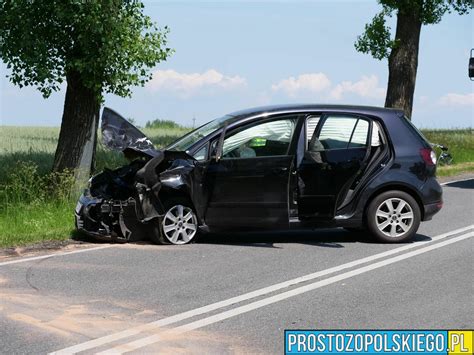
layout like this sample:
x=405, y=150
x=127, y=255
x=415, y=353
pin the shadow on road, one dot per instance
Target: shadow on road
x=327, y=238
x=466, y=184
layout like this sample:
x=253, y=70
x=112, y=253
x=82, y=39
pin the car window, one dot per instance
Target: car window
x=376, y=139
x=264, y=139
x=201, y=154
x=311, y=124
x=340, y=132
x=359, y=136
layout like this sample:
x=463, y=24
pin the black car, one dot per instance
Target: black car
x=275, y=167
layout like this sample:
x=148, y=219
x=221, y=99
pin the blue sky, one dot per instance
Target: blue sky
x=237, y=54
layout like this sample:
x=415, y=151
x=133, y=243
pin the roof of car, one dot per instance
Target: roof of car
x=371, y=110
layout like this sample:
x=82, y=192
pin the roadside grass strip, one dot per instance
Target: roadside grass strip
x=422, y=247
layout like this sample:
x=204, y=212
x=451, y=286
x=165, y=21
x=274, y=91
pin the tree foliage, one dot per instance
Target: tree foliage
x=163, y=124
x=377, y=38
x=111, y=44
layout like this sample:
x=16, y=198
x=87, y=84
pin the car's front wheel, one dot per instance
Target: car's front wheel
x=179, y=224
x=393, y=217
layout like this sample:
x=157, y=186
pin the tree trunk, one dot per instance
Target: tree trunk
x=403, y=61
x=76, y=145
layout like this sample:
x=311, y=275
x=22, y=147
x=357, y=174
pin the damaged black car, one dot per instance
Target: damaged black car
x=276, y=167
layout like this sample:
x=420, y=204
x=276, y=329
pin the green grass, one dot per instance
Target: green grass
x=34, y=204
x=38, y=144
x=30, y=223
x=461, y=146
x=38, y=206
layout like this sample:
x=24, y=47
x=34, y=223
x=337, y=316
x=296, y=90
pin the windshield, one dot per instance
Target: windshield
x=186, y=142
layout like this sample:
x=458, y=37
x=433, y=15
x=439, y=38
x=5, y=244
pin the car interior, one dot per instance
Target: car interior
x=261, y=140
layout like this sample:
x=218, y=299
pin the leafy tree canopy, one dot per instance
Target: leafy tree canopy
x=111, y=44
x=377, y=39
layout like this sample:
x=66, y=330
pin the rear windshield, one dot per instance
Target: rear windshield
x=416, y=131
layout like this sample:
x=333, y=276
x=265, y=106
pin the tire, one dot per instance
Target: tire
x=179, y=224
x=393, y=217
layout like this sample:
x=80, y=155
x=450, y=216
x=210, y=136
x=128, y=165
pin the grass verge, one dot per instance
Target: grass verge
x=455, y=169
x=30, y=223
x=35, y=207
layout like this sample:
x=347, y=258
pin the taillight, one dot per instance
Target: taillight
x=429, y=156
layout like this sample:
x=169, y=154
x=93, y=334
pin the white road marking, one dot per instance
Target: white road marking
x=140, y=343
x=244, y=297
x=460, y=180
x=23, y=260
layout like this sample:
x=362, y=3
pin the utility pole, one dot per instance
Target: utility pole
x=194, y=121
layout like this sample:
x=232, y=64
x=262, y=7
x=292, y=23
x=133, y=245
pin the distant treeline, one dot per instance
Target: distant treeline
x=163, y=124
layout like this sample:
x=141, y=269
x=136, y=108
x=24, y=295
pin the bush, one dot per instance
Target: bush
x=25, y=185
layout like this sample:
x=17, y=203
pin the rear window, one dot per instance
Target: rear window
x=416, y=131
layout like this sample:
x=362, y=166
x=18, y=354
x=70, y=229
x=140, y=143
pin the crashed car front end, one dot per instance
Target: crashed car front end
x=107, y=209
x=124, y=205
x=110, y=219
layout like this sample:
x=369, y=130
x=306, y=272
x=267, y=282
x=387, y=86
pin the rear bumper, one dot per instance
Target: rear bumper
x=431, y=209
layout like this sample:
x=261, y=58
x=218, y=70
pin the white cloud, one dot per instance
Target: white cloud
x=313, y=83
x=365, y=87
x=452, y=99
x=186, y=84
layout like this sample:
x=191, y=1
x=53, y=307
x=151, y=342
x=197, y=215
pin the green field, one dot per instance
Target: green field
x=461, y=147
x=36, y=205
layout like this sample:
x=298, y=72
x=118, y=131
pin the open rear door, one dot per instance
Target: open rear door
x=335, y=154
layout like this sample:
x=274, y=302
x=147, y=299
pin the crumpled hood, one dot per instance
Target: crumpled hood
x=119, y=134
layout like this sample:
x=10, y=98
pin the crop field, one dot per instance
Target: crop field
x=38, y=144
x=36, y=205
x=461, y=147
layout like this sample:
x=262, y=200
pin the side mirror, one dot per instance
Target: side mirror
x=471, y=65
x=217, y=154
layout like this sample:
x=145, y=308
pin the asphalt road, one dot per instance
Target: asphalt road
x=237, y=293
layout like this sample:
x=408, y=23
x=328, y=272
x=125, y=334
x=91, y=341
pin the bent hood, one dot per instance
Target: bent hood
x=119, y=134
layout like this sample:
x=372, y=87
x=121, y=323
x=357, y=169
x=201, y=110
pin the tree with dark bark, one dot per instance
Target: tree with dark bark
x=402, y=50
x=95, y=46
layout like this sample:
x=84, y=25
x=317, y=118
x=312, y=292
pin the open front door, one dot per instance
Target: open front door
x=249, y=185
x=336, y=150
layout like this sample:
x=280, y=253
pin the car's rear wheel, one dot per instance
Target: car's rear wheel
x=179, y=224
x=393, y=217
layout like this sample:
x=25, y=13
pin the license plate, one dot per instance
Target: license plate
x=78, y=207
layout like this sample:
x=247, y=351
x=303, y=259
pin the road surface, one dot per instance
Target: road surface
x=238, y=293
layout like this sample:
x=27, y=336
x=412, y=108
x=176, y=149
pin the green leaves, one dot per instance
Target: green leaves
x=112, y=44
x=377, y=39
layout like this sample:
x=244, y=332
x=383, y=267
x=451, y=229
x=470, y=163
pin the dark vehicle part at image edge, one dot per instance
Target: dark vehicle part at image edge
x=275, y=167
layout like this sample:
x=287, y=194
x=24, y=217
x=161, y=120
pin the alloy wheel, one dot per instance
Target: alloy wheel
x=394, y=217
x=179, y=224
